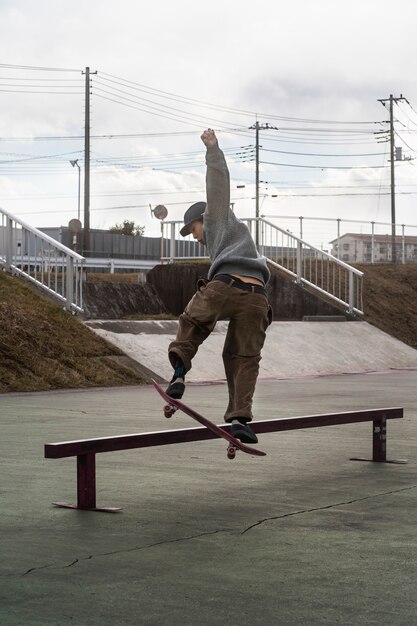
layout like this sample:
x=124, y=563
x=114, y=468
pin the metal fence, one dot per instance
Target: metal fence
x=28, y=252
x=306, y=265
x=330, y=233
x=107, y=245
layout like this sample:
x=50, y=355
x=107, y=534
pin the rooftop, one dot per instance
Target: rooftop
x=377, y=238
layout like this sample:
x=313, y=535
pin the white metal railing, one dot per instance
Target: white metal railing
x=370, y=241
x=177, y=248
x=304, y=264
x=27, y=252
x=311, y=267
x=114, y=264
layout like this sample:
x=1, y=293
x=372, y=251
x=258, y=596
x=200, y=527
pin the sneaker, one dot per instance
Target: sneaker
x=176, y=388
x=242, y=431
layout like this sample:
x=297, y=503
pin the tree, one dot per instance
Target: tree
x=127, y=228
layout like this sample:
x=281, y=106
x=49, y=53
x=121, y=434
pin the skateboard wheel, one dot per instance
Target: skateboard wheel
x=231, y=452
x=169, y=410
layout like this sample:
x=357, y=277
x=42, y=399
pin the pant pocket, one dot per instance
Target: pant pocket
x=201, y=282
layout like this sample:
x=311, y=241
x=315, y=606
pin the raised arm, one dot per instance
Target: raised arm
x=217, y=177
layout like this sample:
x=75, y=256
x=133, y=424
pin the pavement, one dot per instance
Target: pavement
x=303, y=536
x=291, y=348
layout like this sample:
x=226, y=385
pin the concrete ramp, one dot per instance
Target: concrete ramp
x=291, y=348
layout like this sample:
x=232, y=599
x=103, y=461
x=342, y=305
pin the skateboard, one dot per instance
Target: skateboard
x=234, y=444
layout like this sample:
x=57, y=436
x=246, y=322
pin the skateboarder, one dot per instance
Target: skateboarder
x=235, y=290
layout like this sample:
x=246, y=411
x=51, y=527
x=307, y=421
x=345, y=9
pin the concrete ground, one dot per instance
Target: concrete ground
x=303, y=536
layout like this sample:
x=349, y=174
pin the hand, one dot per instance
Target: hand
x=209, y=138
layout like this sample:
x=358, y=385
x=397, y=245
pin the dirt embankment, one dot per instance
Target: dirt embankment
x=43, y=347
x=390, y=300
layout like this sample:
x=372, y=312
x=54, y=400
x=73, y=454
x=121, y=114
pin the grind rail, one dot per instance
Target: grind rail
x=86, y=449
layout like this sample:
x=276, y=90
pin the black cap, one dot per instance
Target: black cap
x=195, y=212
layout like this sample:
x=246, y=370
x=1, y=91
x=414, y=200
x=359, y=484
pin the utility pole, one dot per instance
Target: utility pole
x=257, y=127
x=391, y=101
x=86, y=231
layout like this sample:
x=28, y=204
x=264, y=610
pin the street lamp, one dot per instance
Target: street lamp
x=75, y=163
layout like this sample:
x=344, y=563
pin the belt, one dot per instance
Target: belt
x=235, y=282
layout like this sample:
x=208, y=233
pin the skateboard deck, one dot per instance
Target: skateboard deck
x=234, y=444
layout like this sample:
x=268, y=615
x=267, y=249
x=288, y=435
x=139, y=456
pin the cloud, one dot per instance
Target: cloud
x=321, y=60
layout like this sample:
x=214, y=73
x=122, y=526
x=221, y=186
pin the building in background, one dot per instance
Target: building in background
x=359, y=248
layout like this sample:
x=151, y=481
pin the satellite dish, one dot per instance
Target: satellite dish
x=160, y=212
x=74, y=226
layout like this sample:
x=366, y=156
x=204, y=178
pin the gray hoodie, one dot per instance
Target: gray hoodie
x=228, y=240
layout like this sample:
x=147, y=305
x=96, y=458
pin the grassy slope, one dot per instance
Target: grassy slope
x=390, y=300
x=43, y=347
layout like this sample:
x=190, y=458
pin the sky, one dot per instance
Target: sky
x=162, y=71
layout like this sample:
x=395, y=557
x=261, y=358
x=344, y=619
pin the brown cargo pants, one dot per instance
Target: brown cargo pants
x=249, y=314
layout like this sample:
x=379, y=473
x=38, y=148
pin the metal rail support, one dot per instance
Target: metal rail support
x=379, y=444
x=86, y=481
x=86, y=486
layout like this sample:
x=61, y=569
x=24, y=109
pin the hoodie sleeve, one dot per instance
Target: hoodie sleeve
x=217, y=185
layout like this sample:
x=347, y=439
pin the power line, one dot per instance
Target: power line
x=106, y=136
x=407, y=116
x=330, y=167
x=171, y=96
x=193, y=101
x=59, y=93
x=321, y=154
x=37, y=68
x=151, y=105
x=104, y=194
x=27, y=158
x=334, y=195
x=40, y=85
x=283, y=185
x=403, y=140
x=34, y=163
x=43, y=80
x=334, y=131
x=146, y=100
x=283, y=138
x=175, y=119
x=287, y=137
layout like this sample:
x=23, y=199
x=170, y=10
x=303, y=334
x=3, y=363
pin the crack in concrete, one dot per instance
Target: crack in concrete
x=323, y=508
x=134, y=549
x=32, y=569
x=215, y=532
